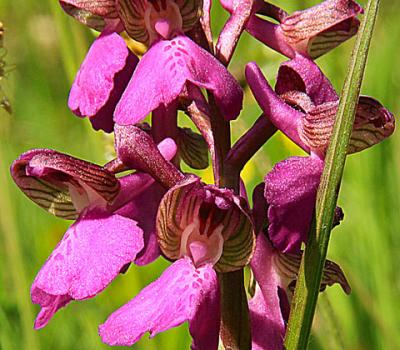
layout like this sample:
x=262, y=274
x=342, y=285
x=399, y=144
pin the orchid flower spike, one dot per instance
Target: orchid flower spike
x=110, y=230
x=200, y=228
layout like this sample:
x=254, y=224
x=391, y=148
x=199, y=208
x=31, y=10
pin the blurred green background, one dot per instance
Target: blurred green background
x=47, y=47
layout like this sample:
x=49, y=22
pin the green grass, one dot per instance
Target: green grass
x=47, y=47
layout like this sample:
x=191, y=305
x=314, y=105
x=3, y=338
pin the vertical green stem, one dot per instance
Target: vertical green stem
x=310, y=273
x=235, y=324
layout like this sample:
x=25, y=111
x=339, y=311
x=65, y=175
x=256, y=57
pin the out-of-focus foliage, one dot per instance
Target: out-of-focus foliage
x=47, y=47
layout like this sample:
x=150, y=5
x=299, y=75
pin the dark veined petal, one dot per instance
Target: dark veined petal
x=91, y=12
x=91, y=254
x=215, y=213
x=132, y=14
x=373, y=123
x=287, y=267
x=317, y=126
x=182, y=293
x=101, y=80
x=332, y=37
x=191, y=11
x=136, y=16
x=162, y=74
x=193, y=149
x=298, y=100
x=303, y=75
x=321, y=28
x=61, y=184
x=290, y=190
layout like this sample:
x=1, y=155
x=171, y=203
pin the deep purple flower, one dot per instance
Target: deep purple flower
x=110, y=230
x=311, y=32
x=305, y=111
x=200, y=228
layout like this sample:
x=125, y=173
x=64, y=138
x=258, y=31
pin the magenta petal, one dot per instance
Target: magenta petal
x=302, y=74
x=290, y=190
x=49, y=304
x=101, y=80
x=270, y=34
x=90, y=255
x=267, y=323
x=284, y=117
x=162, y=74
x=182, y=293
x=143, y=209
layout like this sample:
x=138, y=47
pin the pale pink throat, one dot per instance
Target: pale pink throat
x=163, y=19
x=202, y=239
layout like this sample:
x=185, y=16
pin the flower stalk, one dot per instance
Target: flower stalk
x=235, y=322
x=310, y=273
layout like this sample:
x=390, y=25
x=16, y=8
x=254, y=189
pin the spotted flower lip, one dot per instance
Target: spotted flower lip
x=200, y=228
x=164, y=71
x=182, y=293
x=161, y=24
x=90, y=255
x=311, y=32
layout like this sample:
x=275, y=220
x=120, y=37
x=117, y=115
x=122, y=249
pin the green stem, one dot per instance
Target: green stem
x=235, y=322
x=310, y=273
